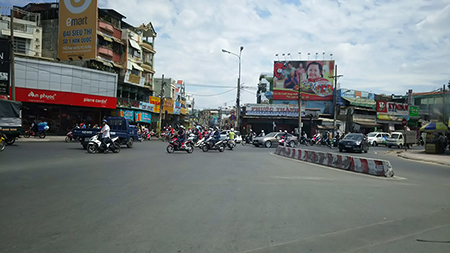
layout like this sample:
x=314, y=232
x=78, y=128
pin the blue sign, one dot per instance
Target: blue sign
x=145, y=117
x=232, y=117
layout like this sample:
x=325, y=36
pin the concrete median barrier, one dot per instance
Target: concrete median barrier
x=369, y=166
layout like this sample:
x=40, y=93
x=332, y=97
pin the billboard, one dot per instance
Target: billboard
x=183, y=108
x=4, y=66
x=77, y=29
x=156, y=101
x=391, y=108
x=128, y=114
x=313, y=77
x=177, y=108
x=146, y=106
x=168, y=106
x=144, y=117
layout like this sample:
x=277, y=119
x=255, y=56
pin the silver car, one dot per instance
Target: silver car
x=273, y=138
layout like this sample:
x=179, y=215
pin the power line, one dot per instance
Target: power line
x=209, y=95
x=209, y=86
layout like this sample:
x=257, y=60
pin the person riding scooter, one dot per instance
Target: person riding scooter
x=216, y=136
x=181, y=135
x=105, y=135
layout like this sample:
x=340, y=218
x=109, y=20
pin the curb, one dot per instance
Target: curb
x=46, y=139
x=422, y=160
x=369, y=166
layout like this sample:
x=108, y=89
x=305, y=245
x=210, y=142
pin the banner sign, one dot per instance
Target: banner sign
x=128, y=114
x=64, y=98
x=168, y=106
x=392, y=108
x=314, y=78
x=146, y=106
x=177, y=108
x=414, y=111
x=273, y=110
x=77, y=29
x=183, y=108
x=156, y=101
x=179, y=90
x=4, y=66
x=143, y=117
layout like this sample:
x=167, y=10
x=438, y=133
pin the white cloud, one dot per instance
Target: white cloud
x=380, y=46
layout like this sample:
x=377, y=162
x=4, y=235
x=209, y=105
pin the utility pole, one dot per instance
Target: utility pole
x=11, y=60
x=161, y=104
x=299, y=110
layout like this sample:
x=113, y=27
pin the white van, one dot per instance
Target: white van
x=376, y=138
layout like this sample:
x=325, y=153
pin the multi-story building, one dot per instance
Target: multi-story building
x=433, y=105
x=27, y=31
x=121, y=49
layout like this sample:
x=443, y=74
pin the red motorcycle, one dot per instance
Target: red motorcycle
x=30, y=132
x=173, y=146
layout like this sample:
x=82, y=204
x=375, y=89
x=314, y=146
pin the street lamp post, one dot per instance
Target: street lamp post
x=336, y=76
x=238, y=95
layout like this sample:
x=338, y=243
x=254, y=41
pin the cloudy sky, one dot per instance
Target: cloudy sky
x=380, y=46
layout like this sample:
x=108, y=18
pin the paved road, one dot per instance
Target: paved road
x=57, y=198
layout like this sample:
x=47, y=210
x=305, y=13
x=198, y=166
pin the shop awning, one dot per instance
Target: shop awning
x=117, y=65
x=369, y=103
x=131, y=65
x=134, y=44
x=366, y=123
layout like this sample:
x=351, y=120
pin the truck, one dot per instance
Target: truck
x=10, y=120
x=398, y=139
x=119, y=126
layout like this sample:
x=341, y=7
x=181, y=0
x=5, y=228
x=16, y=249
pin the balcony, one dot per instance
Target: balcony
x=147, y=46
x=134, y=79
x=105, y=51
x=109, y=29
x=126, y=102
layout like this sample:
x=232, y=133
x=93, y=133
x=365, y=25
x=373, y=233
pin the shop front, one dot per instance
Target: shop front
x=62, y=110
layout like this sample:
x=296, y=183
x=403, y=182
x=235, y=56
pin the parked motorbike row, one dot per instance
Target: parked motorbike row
x=205, y=144
x=315, y=140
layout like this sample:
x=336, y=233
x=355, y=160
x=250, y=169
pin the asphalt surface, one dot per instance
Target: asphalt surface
x=55, y=197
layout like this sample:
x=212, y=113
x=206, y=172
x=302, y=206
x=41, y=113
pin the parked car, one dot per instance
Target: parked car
x=272, y=138
x=376, y=138
x=237, y=138
x=354, y=142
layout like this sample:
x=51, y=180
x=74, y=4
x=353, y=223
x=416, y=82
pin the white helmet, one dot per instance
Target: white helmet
x=182, y=126
x=232, y=129
x=262, y=131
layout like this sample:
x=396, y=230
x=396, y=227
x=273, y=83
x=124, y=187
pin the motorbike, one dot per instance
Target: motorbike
x=229, y=143
x=208, y=145
x=2, y=142
x=315, y=140
x=304, y=141
x=173, y=146
x=420, y=141
x=246, y=140
x=335, y=142
x=69, y=137
x=95, y=145
x=200, y=142
x=326, y=142
x=30, y=132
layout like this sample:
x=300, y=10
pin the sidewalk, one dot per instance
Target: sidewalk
x=37, y=139
x=420, y=155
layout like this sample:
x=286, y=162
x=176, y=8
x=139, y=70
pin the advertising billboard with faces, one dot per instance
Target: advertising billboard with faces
x=314, y=78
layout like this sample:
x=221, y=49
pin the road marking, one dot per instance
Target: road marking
x=341, y=170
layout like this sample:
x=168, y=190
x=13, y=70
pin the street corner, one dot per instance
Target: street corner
x=442, y=159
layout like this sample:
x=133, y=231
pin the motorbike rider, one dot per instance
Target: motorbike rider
x=105, y=135
x=181, y=135
x=216, y=135
x=231, y=134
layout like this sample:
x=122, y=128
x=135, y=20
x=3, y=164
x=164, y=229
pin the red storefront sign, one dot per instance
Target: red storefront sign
x=64, y=98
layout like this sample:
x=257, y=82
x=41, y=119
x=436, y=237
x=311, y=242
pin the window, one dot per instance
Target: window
x=20, y=45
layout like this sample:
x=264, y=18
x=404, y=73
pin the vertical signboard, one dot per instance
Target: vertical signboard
x=4, y=66
x=179, y=90
x=156, y=101
x=77, y=29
